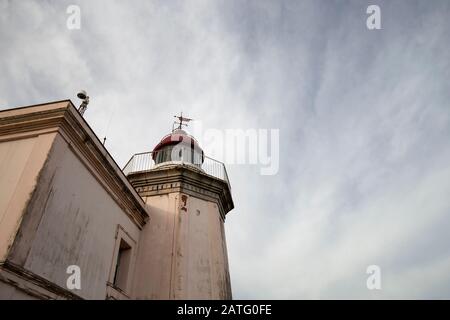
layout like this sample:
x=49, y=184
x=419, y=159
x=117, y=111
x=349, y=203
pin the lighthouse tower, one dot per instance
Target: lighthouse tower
x=182, y=251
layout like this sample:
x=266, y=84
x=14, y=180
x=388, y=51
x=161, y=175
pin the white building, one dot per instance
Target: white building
x=152, y=231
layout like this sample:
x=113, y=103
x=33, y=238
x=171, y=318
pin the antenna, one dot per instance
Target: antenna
x=83, y=96
x=180, y=121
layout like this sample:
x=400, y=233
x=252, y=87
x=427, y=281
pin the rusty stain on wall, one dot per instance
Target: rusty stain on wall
x=184, y=200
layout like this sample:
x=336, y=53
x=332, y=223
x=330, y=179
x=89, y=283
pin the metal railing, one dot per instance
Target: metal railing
x=144, y=161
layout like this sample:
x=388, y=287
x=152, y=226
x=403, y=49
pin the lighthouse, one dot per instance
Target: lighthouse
x=182, y=251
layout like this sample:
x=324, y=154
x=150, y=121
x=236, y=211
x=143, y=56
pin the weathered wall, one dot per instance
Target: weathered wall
x=153, y=267
x=21, y=159
x=182, y=253
x=71, y=220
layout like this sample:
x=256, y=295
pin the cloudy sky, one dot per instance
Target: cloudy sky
x=363, y=118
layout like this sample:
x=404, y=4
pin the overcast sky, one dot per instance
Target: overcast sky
x=363, y=117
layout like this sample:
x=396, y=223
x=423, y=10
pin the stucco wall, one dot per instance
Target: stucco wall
x=182, y=253
x=71, y=220
x=153, y=268
x=21, y=159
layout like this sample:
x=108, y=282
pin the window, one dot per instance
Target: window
x=122, y=265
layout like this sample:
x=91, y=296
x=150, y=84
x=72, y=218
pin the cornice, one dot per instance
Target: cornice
x=183, y=178
x=34, y=285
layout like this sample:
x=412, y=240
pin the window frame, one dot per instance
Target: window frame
x=123, y=236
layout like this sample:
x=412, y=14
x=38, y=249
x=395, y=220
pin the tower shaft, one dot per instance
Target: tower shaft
x=182, y=252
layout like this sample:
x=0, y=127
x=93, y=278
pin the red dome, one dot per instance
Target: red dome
x=176, y=137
